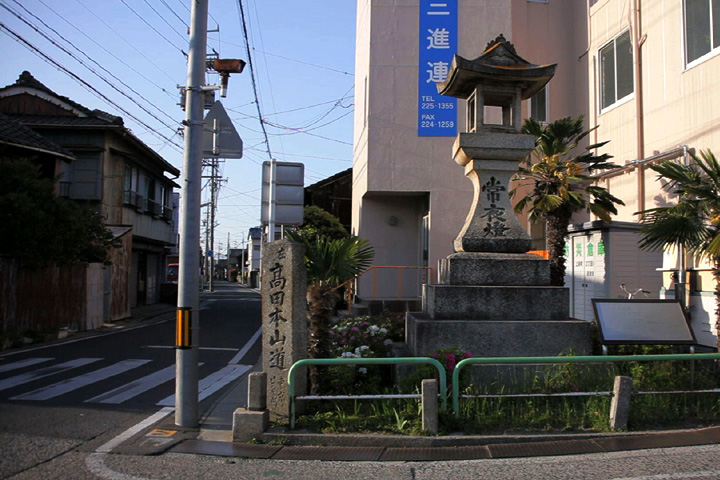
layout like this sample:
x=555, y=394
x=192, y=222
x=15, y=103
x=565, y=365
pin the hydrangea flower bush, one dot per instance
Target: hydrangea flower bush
x=363, y=337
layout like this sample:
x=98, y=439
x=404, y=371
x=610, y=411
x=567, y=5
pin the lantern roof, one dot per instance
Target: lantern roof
x=500, y=65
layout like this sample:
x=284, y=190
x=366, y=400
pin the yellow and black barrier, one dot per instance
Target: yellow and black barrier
x=182, y=332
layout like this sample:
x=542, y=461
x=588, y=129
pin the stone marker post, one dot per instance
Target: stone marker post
x=284, y=321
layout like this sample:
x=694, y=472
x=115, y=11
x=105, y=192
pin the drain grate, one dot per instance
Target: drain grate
x=435, y=454
x=342, y=454
x=537, y=449
x=226, y=449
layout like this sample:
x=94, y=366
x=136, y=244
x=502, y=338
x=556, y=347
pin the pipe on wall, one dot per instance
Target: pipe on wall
x=638, y=41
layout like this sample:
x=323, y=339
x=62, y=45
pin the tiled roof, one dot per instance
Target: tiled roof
x=56, y=120
x=27, y=80
x=93, y=118
x=14, y=133
x=326, y=181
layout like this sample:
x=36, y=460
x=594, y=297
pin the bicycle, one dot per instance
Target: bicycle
x=632, y=294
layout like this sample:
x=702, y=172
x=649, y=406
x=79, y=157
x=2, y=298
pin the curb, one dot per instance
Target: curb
x=496, y=447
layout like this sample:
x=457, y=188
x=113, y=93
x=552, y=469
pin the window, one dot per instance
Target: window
x=538, y=105
x=616, y=70
x=471, y=107
x=702, y=28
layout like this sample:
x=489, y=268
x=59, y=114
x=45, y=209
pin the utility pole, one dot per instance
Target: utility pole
x=186, y=355
x=227, y=259
x=213, y=189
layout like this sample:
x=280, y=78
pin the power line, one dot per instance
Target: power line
x=18, y=38
x=293, y=59
x=122, y=37
x=151, y=27
x=174, y=13
x=105, y=49
x=252, y=76
x=166, y=22
x=34, y=27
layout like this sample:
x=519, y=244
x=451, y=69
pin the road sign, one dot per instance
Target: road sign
x=289, y=193
x=220, y=139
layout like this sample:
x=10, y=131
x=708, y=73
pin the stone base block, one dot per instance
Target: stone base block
x=523, y=338
x=248, y=424
x=442, y=302
x=513, y=269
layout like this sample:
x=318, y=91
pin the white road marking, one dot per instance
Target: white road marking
x=236, y=359
x=136, y=387
x=44, y=372
x=96, y=461
x=74, y=383
x=213, y=382
x=23, y=363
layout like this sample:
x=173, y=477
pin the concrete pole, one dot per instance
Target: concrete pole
x=186, y=359
x=213, y=169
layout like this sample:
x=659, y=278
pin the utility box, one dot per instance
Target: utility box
x=600, y=257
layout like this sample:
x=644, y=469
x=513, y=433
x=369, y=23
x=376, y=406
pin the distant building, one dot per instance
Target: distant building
x=254, y=251
x=115, y=173
x=334, y=195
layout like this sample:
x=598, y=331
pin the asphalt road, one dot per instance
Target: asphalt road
x=73, y=395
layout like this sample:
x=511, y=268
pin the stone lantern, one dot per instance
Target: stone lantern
x=494, y=85
x=493, y=298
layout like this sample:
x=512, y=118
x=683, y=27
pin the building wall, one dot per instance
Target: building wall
x=679, y=103
x=389, y=157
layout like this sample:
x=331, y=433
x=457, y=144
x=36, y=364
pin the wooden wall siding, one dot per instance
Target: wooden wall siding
x=31, y=105
x=120, y=259
x=52, y=297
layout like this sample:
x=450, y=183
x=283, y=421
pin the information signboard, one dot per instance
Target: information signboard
x=646, y=321
x=437, y=40
x=289, y=193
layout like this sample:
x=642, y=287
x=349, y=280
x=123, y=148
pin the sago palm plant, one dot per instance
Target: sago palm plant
x=694, y=221
x=330, y=263
x=559, y=183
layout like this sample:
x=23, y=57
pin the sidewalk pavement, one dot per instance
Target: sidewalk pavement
x=214, y=435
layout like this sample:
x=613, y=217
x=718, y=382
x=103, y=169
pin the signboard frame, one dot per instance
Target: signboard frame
x=630, y=331
x=437, y=44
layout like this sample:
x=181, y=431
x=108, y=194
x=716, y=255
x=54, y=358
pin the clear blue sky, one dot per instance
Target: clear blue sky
x=303, y=56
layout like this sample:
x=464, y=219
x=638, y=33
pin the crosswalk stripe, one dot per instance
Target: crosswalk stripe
x=136, y=387
x=212, y=383
x=74, y=383
x=23, y=363
x=44, y=372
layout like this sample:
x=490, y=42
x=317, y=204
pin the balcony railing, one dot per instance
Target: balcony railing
x=167, y=214
x=154, y=208
x=133, y=199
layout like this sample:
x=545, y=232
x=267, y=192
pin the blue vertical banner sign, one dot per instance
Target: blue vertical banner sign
x=437, y=40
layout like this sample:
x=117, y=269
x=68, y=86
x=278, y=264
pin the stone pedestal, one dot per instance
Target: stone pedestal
x=496, y=305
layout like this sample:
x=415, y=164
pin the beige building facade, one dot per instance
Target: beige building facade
x=646, y=73
x=410, y=198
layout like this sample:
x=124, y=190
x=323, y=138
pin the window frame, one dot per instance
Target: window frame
x=618, y=101
x=713, y=52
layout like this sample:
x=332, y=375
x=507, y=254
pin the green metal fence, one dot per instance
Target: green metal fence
x=364, y=361
x=559, y=360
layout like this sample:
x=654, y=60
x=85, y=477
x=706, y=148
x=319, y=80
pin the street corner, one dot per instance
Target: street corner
x=155, y=439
